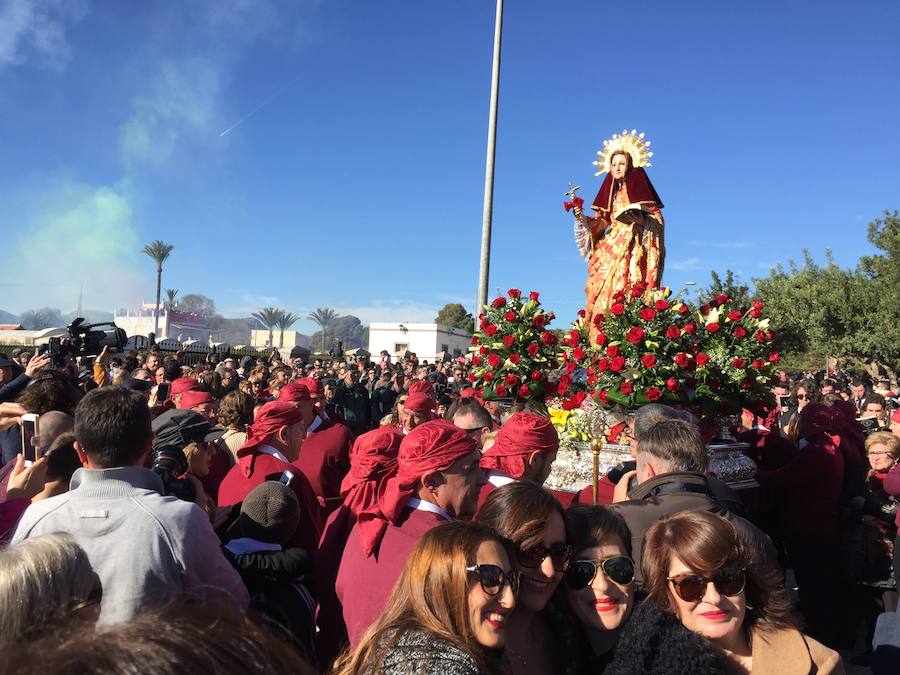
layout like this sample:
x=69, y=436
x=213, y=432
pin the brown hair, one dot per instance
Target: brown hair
x=520, y=512
x=431, y=595
x=51, y=390
x=890, y=441
x=592, y=525
x=629, y=162
x=706, y=542
x=236, y=410
x=677, y=442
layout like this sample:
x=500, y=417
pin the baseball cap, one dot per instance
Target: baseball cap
x=182, y=427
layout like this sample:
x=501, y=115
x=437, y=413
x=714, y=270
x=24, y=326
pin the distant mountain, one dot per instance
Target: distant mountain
x=6, y=317
x=90, y=316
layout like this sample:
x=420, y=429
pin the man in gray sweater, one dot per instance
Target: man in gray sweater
x=146, y=548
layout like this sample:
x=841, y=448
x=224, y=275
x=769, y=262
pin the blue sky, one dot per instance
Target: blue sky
x=358, y=182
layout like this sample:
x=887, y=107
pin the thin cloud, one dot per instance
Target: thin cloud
x=36, y=30
x=727, y=245
x=684, y=264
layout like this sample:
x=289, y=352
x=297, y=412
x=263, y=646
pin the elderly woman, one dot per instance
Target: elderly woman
x=710, y=610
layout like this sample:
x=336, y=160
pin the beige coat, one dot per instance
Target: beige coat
x=789, y=652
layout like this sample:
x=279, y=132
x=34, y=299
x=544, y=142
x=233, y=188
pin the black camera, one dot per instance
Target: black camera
x=90, y=339
x=169, y=463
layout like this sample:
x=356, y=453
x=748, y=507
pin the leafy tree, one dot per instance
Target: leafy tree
x=348, y=329
x=193, y=303
x=730, y=286
x=171, y=293
x=159, y=251
x=455, y=315
x=285, y=321
x=268, y=317
x=325, y=318
x=38, y=319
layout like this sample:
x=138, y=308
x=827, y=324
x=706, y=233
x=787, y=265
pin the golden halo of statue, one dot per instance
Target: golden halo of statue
x=633, y=143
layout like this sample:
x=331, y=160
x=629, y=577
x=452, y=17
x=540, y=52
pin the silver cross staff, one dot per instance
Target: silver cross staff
x=573, y=189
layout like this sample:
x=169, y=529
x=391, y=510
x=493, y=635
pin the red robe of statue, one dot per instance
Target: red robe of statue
x=325, y=460
x=265, y=467
x=364, y=584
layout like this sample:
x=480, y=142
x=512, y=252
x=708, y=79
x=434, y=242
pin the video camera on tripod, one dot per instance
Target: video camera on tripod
x=87, y=339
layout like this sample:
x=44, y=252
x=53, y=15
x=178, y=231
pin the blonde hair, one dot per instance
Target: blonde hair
x=890, y=442
x=431, y=596
x=41, y=581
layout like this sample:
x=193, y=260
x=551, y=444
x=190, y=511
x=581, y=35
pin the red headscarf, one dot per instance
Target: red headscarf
x=194, y=397
x=521, y=435
x=372, y=458
x=294, y=391
x=270, y=418
x=420, y=387
x=181, y=385
x=851, y=433
x=419, y=402
x=432, y=446
x=314, y=385
x=819, y=425
x=640, y=191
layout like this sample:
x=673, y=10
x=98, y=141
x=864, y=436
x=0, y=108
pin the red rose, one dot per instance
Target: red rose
x=474, y=339
x=634, y=334
x=774, y=357
x=757, y=304
x=561, y=388
x=602, y=396
x=612, y=350
x=704, y=309
x=574, y=338
x=682, y=360
x=673, y=332
x=476, y=360
x=539, y=321
x=514, y=293
x=653, y=394
x=472, y=377
x=501, y=391
x=617, y=364
x=690, y=328
x=759, y=336
x=483, y=350
x=757, y=363
x=747, y=383
x=581, y=313
x=735, y=315
x=570, y=367
x=490, y=329
x=534, y=295
x=648, y=360
x=684, y=309
x=489, y=375
x=702, y=359
x=533, y=349
x=770, y=335
x=661, y=305
x=617, y=309
x=482, y=321
x=545, y=337
x=511, y=380
x=578, y=353
x=739, y=363
x=537, y=375
x=515, y=358
x=551, y=316
x=755, y=313
x=713, y=383
x=498, y=302
x=601, y=339
x=739, y=332
x=603, y=365
x=672, y=384
x=508, y=340
x=565, y=380
x=524, y=391
x=510, y=316
x=598, y=320
x=712, y=328
x=592, y=380
x=721, y=298
x=626, y=387
x=647, y=314
x=553, y=339
x=493, y=360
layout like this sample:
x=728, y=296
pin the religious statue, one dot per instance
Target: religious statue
x=623, y=243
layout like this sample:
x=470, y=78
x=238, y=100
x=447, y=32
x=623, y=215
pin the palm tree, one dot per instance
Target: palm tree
x=159, y=251
x=325, y=317
x=285, y=321
x=268, y=317
x=170, y=298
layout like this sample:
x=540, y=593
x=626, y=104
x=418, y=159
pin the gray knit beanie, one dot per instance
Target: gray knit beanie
x=270, y=513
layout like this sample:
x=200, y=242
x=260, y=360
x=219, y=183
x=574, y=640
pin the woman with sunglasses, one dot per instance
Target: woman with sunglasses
x=599, y=584
x=529, y=517
x=448, y=612
x=709, y=610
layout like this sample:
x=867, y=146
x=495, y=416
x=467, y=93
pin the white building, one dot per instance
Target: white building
x=425, y=340
x=285, y=339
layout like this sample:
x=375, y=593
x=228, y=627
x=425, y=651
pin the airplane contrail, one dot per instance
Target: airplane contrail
x=255, y=110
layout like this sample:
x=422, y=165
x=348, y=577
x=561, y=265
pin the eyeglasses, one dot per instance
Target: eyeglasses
x=878, y=453
x=692, y=587
x=473, y=431
x=801, y=397
x=560, y=554
x=492, y=578
x=581, y=573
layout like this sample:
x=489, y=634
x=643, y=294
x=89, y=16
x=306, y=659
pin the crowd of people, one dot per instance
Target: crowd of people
x=366, y=516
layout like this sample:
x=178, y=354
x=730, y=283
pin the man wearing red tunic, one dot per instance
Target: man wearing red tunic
x=204, y=404
x=273, y=442
x=325, y=459
x=437, y=478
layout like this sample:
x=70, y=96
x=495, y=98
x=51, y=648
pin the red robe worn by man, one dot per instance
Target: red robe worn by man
x=202, y=402
x=325, y=459
x=436, y=479
x=273, y=441
x=525, y=449
x=372, y=459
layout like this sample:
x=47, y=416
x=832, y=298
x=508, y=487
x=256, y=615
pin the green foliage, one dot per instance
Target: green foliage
x=455, y=315
x=171, y=294
x=38, y=319
x=193, y=303
x=348, y=329
x=269, y=318
x=159, y=251
x=325, y=317
x=731, y=286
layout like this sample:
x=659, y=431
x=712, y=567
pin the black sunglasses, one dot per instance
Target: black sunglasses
x=492, y=578
x=581, y=573
x=560, y=554
x=692, y=587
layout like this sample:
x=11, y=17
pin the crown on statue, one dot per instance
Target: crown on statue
x=633, y=143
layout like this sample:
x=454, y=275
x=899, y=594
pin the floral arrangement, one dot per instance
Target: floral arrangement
x=513, y=349
x=654, y=347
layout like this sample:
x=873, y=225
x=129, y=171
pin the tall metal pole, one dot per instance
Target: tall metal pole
x=484, y=270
